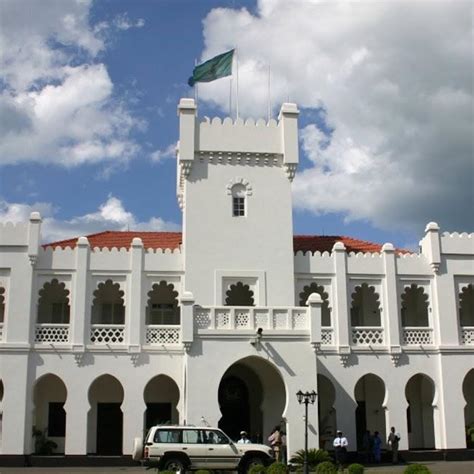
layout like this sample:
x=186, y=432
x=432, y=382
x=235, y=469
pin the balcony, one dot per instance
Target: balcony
x=417, y=336
x=467, y=335
x=160, y=334
x=51, y=333
x=107, y=334
x=248, y=318
x=365, y=336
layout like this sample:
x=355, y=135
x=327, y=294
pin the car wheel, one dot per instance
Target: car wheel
x=175, y=465
x=252, y=462
x=137, y=453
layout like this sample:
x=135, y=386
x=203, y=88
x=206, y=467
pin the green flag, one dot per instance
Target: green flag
x=215, y=68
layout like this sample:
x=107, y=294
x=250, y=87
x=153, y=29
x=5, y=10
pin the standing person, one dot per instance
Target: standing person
x=393, y=440
x=275, y=442
x=377, y=449
x=367, y=446
x=340, y=444
x=243, y=438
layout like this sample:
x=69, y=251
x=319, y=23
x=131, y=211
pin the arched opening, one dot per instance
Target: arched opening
x=53, y=303
x=162, y=305
x=105, y=417
x=370, y=414
x=252, y=398
x=161, y=397
x=1, y=413
x=326, y=412
x=49, y=420
x=238, y=200
x=468, y=391
x=419, y=393
x=415, y=307
x=325, y=310
x=466, y=306
x=239, y=294
x=365, y=309
x=108, y=304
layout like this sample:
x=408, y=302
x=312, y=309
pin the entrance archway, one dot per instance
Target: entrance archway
x=370, y=414
x=161, y=397
x=419, y=393
x=326, y=412
x=252, y=397
x=105, y=417
x=468, y=391
x=49, y=420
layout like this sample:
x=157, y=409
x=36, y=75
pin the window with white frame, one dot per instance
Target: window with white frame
x=466, y=306
x=53, y=303
x=2, y=304
x=238, y=200
x=108, y=304
x=162, y=305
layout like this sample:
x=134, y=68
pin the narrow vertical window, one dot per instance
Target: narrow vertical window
x=238, y=200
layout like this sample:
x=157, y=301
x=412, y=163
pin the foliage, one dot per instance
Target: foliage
x=257, y=469
x=43, y=445
x=277, y=468
x=326, y=467
x=315, y=457
x=416, y=469
x=355, y=469
x=169, y=472
x=202, y=471
x=470, y=435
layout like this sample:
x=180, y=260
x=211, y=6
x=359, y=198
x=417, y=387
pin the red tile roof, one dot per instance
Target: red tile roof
x=173, y=240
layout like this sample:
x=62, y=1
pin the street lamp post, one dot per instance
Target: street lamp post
x=306, y=398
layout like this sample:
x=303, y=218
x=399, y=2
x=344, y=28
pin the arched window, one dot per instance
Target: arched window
x=415, y=307
x=163, y=304
x=466, y=306
x=107, y=306
x=315, y=288
x=239, y=295
x=238, y=200
x=2, y=304
x=365, y=310
x=53, y=303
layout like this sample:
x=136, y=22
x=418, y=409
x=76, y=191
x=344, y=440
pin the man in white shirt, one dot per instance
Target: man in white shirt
x=243, y=438
x=340, y=444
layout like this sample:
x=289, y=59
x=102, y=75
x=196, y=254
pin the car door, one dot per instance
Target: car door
x=194, y=447
x=165, y=439
x=222, y=453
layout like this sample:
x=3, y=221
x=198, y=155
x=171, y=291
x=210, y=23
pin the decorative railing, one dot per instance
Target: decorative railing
x=161, y=334
x=46, y=333
x=1, y=332
x=251, y=318
x=417, y=336
x=467, y=335
x=327, y=336
x=367, y=336
x=107, y=333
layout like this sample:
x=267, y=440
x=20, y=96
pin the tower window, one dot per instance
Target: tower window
x=238, y=200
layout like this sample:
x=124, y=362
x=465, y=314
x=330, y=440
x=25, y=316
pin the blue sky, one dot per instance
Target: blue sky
x=89, y=93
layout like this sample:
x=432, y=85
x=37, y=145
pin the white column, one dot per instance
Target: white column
x=77, y=408
x=345, y=416
x=187, y=318
x=396, y=411
x=135, y=320
x=133, y=409
x=17, y=404
x=80, y=318
x=391, y=318
x=342, y=322
x=315, y=303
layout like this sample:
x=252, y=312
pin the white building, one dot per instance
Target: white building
x=110, y=333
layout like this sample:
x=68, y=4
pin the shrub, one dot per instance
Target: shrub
x=315, y=457
x=355, y=469
x=165, y=472
x=326, y=467
x=202, y=471
x=257, y=469
x=276, y=468
x=416, y=469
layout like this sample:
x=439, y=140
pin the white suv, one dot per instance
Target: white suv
x=182, y=448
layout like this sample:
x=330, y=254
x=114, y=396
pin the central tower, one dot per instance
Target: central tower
x=234, y=187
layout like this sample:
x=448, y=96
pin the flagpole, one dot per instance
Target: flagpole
x=269, y=111
x=230, y=97
x=196, y=93
x=237, y=80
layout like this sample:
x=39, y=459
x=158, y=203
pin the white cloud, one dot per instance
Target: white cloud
x=123, y=22
x=111, y=215
x=394, y=83
x=58, y=104
x=168, y=152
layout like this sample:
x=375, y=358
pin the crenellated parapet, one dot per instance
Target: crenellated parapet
x=13, y=234
x=457, y=244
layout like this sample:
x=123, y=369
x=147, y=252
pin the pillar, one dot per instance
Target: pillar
x=135, y=319
x=133, y=408
x=80, y=320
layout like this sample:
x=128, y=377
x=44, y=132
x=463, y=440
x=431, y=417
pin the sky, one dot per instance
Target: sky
x=89, y=90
